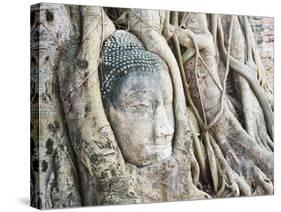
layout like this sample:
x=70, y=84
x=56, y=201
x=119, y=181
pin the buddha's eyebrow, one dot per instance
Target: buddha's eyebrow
x=137, y=96
x=137, y=93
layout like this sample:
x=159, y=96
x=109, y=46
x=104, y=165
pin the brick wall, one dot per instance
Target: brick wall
x=263, y=28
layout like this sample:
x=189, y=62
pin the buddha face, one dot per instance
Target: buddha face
x=141, y=115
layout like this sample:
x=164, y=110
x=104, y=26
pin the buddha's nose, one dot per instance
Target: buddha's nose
x=162, y=125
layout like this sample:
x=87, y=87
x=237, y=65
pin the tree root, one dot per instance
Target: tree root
x=249, y=74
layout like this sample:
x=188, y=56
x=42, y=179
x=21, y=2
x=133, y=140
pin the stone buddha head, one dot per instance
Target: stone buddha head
x=137, y=95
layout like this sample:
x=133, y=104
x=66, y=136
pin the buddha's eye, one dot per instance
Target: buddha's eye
x=140, y=108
